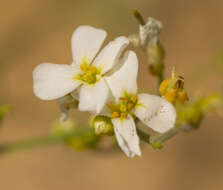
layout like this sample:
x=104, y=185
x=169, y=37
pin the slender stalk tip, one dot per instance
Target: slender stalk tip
x=138, y=16
x=134, y=11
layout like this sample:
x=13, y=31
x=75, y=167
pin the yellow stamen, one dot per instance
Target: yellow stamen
x=93, y=69
x=163, y=87
x=182, y=96
x=126, y=104
x=133, y=99
x=124, y=100
x=170, y=96
x=90, y=74
x=130, y=106
x=123, y=115
x=123, y=108
x=86, y=78
x=115, y=114
x=111, y=105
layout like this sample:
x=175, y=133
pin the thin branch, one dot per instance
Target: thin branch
x=37, y=142
x=157, y=140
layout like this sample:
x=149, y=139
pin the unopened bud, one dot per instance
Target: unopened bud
x=103, y=125
x=148, y=40
x=155, y=58
x=77, y=137
x=171, y=95
x=173, y=89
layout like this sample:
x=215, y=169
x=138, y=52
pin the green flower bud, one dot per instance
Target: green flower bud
x=84, y=141
x=193, y=113
x=76, y=137
x=103, y=125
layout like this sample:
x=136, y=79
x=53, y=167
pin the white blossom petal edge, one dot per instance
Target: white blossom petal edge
x=53, y=81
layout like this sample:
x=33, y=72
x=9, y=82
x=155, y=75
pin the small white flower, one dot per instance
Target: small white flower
x=52, y=81
x=152, y=110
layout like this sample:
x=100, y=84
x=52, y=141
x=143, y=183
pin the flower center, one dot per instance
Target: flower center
x=90, y=74
x=125, y=107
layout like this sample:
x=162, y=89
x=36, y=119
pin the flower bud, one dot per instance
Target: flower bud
x=173, y=89
x=155, y=58
x=148, y=40
x=76, y=137
x=171, y=95
x=103, y=125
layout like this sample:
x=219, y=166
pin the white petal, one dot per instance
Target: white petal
x=52, y=81
x=110, y=54
x=86, y=42
x=125, y=78
x=93, y=97
x=126, y=135
x=155, y=112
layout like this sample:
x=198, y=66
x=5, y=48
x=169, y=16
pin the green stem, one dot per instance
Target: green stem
x=36, y=142
x=28, y=144
x=165, y=136
x=53, y=139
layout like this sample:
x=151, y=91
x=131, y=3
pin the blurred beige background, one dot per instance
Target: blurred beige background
x=36, y=31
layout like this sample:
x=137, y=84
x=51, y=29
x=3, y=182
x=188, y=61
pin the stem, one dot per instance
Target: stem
x=36, y=142
x=53, y=139
x=26, y=144
x=165, y=136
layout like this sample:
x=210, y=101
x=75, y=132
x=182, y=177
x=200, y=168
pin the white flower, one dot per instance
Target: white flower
x=52, y=81
x=153, y=111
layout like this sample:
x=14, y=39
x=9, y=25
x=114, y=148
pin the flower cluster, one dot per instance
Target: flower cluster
x=105, y=84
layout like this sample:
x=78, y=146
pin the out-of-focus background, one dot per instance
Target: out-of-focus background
x=37, y=31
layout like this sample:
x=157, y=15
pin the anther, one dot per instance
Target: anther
x=123, y=115
x=123, y=108
x=133, y=99
x=115, y=114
